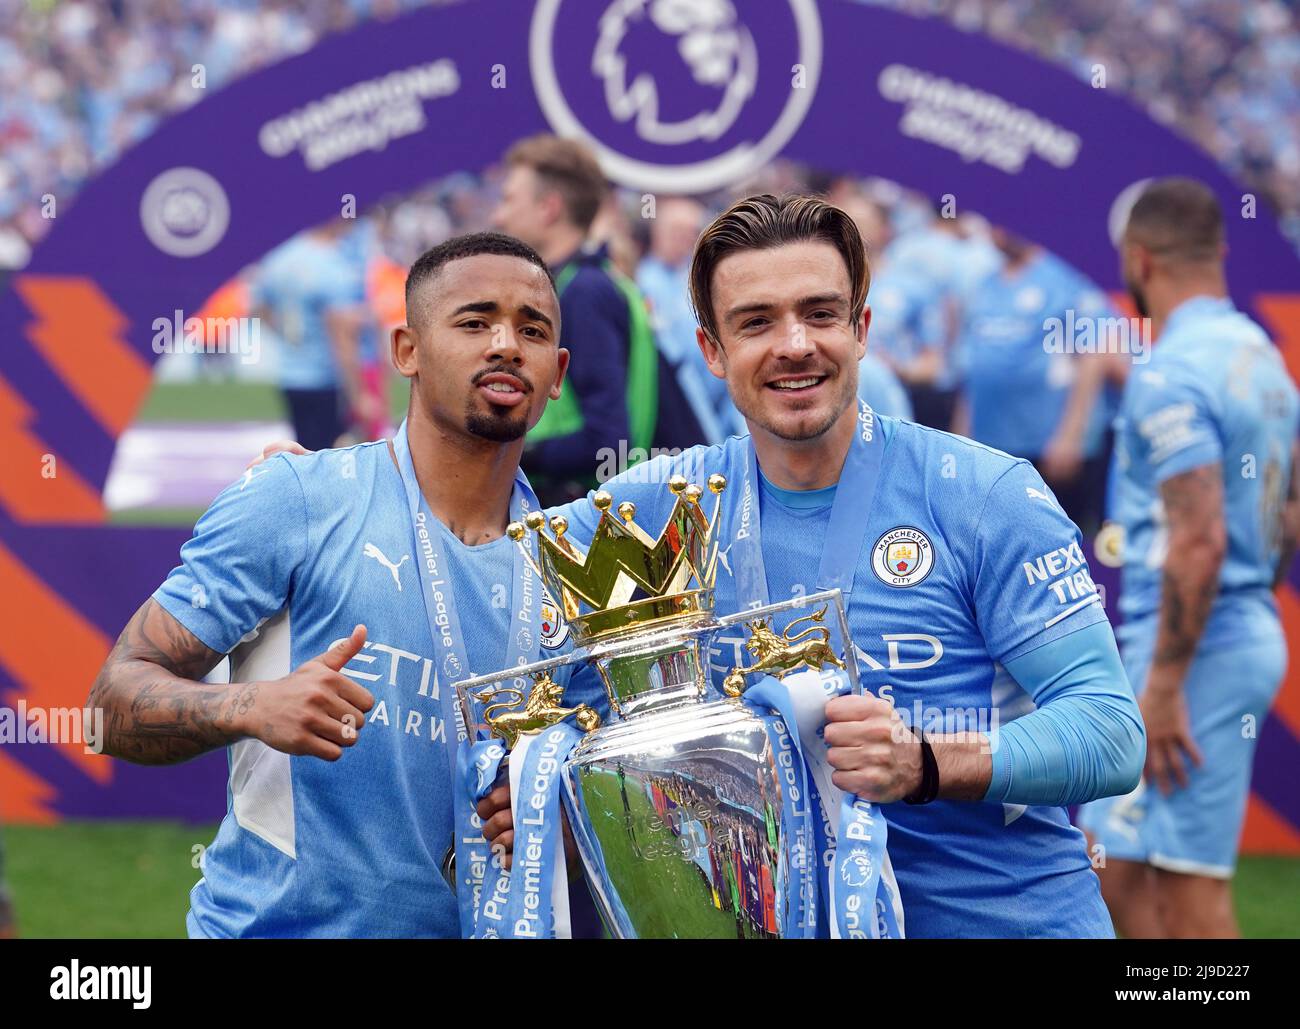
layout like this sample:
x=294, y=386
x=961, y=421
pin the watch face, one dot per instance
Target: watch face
x=449, y=866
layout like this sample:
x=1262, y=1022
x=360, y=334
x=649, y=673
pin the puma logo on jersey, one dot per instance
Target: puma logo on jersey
x=1037, y=494
x=249, y=476
x=373, y=551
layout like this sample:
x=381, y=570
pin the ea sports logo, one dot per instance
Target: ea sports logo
x=677, y=95
x=902, y=556
x=184, y=212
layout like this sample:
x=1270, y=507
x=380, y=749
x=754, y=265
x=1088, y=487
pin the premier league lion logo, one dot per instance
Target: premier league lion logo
x=716, y=55
x=855, y=869
x=668, y=93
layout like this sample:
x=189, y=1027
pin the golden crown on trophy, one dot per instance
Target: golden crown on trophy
x=627, y=581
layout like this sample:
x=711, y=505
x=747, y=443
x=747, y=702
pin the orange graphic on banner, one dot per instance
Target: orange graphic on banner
x=35, y=489
x=24, y=796
x=1286, y=705
x=81, y=335
x=1267, y=832
x=51, y=651
x=1281, y=312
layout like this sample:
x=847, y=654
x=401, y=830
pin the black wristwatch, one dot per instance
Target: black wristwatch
x=929, y=788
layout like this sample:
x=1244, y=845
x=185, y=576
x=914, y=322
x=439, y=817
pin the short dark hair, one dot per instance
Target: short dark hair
x=1178, y=218
x=569, y=168
x=766, y=221
x=497, y=244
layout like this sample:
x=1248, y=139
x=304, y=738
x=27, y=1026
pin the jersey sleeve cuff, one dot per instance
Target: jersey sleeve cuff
x=1000, y=779
x=207, y=629
x=1088, y=613
x=1184, y=461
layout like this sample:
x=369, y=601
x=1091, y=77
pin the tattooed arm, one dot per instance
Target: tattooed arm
x=1193, y=503
x=154, y=710
x=157, y=713
x=1289, y=530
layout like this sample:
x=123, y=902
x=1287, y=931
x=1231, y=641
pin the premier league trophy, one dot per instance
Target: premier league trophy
x=691, y=809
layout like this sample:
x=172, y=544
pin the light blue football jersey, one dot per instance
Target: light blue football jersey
x=930, y=255
x=1215, y=391
x=299, y=283
x=904, y=322
x=966, y=563
x=941, y=269
x=1016, y=386
x=881, y=389
x=285, y=562
x=667, y=292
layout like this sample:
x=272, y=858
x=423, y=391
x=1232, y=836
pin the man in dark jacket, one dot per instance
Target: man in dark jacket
x=616, y=406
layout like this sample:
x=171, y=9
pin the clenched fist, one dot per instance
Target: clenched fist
x=873, y=752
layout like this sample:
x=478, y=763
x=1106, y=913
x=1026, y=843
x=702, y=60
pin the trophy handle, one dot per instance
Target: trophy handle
x=508, y=720
x=779, y=653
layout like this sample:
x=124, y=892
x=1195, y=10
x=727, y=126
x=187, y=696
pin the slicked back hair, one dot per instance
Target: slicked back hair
x=1179, y=219
x=496, y=244
x=765, y=221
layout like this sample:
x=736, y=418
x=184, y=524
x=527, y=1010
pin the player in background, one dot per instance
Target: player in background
x=970, y=604
x=1022, y=396
x=379, y=287
x=906, y=359
x=662, y=277
x=879, y=381
x=1207, y=497
x=311, y=300
x=307, y=571
x=620, y=396
x=934, y=266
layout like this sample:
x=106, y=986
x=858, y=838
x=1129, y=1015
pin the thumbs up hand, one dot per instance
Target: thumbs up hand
x=315, y=710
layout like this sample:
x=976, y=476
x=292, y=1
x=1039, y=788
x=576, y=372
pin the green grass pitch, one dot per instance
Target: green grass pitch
x=132, y=879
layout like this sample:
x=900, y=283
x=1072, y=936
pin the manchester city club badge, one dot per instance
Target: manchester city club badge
x=554, y=628
x=902, y=556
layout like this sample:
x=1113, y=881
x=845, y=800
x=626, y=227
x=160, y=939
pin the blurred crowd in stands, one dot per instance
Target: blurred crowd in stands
x=81, y=80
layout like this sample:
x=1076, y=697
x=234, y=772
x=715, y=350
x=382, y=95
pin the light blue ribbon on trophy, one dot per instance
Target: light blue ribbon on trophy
x=538, y=904
x=857, y=878
x=798, y=913
x=444, y=629
x=530, y=900
x=845, y=870
x=478, y=764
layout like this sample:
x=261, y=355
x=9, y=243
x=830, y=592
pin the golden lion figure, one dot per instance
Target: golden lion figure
x=778, y=654
x=541, y=711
